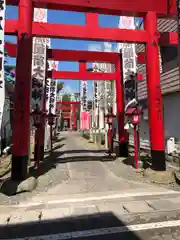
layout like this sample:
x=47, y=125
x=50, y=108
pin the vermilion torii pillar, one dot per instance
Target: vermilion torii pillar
x=21, y=114
x=156, y=125
x=123, y=141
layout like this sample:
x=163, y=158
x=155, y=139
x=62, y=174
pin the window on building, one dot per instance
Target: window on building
x=169, y=55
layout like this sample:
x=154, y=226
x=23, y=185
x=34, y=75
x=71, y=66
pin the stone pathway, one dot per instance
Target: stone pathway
x=88, y=173
x=99, y=218
x=80, y=196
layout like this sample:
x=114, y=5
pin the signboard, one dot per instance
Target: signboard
x=39, y=62
x=2, y=83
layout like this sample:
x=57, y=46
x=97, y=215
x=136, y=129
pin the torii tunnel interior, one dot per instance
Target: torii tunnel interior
x=24, y=28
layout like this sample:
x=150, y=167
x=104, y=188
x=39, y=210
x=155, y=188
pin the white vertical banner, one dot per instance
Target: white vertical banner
x=2, y=82
x=160, y=61
x=83, y=96
x=128, y=50
x=48, y=83
x=53, y=65
x=48, y=80
x=39, y=61
x=96, y=67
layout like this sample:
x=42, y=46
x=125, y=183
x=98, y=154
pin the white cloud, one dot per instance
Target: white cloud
x=95, y=47
x=68, y=89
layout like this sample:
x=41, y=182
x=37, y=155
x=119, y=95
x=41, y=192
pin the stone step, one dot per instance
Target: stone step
x=126, y=211
x=143, y=193
x=148, y=199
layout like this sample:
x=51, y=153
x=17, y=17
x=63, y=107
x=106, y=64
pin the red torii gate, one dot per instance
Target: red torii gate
x=117, y=76
x=25, y=29
x=72, y=105
x=82, y=57
x=74, y=55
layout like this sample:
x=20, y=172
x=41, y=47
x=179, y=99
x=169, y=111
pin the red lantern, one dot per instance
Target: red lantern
x=134, y=115
x=136, y=119
x=108, y=118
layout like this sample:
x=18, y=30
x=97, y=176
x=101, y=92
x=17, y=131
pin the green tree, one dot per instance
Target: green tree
x=60, y=86
x=66, y=98
x=77, y=95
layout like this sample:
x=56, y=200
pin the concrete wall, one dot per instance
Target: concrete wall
x=169, y=70
x=6, y=131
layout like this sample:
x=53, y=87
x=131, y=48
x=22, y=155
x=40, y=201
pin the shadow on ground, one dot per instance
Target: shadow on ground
x=143, y=163
x=96, y=226
x=10, y=188
x=58, y=140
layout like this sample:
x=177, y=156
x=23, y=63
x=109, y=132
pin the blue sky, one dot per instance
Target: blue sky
x=68, y=18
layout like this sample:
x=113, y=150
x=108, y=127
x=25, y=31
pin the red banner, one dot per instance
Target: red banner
x=85, y=121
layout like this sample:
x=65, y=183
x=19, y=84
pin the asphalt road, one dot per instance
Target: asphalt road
x=100, y=226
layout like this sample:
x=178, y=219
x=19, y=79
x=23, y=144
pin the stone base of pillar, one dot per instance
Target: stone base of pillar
x=123, y=149
x=36, y=149
x=160, y=177
x=158, y=160
x=19, y=168
x=41, y=153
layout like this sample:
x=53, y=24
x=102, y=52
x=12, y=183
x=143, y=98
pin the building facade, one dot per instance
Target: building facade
x=170, y=85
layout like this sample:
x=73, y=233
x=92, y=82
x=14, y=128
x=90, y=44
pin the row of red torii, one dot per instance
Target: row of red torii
x=69, y=112
x=25, y=29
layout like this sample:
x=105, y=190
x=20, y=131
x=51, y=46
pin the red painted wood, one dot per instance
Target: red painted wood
x=82, y=75
x=116, y=7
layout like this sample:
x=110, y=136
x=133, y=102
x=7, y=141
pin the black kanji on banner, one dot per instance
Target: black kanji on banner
x=1, y=81
x=1, y=5
x=53, y=83
x=47, y=88
x=38, y=73
x=52, y=89
x=130, y=86
x=1, y=19
x=36, y=83
x=128, y=52
x=38, y=60
x=37, y=94
x=52, y=95
x=96, y=93
x=39, y=47
x=1, y=84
